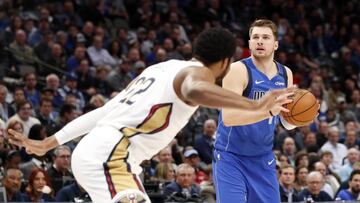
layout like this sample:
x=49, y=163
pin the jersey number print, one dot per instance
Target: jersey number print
x=135, y=88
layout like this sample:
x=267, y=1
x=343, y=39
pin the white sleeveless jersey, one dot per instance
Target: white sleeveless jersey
x=148, y=111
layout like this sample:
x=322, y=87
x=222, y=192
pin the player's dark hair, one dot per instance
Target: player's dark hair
x=214, y=45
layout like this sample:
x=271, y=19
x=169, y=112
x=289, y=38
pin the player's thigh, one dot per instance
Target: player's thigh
x=100, y=164
x=263, y=184
x=230, y=184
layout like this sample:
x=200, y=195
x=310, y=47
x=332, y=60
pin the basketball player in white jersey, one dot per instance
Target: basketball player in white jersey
x=146, y=116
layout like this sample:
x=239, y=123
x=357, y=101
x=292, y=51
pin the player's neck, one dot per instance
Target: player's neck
x=264, y=64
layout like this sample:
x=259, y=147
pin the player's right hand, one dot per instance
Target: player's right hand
x=32, y=146
x=274, y=100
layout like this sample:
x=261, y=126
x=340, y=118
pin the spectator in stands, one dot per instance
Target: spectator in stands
x=85, y=79
x=67, y=114
x=15, y=125
x=53, y=83
x=46, y=116
x=354, y=188
x=72, y=193
x=6, y=110
x=345, y=114
x=184, y=185
x=57, y=59
x=36, y=37
x=310, y=142
x=302, y=159
x=346, y=169
x=23, y=114
x=207, y=188
x=289, y=149
x=121, y=76
x=97, y=100
x=351, y=140
x=31, y=93
x=286, y=180
x=70, y=87
x=74, y=61
x=98, y=55
x=204, y=143
x=10, y=31
x=43, y=49
x=12, y=183
x=191, y=157
x=164, y=172
x=100, y=83
x=39, y=187
x=322, y=134
x=331, y=184
x=338, y=150
x=21, y=52
x=12, y=160
x=300, y=180
x=313, y=192
x=60, y=171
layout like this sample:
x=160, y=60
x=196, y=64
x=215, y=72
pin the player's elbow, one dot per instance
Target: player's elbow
x=193, y=94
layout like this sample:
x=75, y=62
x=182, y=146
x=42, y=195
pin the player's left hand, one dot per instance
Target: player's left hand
x=32, y=146
x=274, y=100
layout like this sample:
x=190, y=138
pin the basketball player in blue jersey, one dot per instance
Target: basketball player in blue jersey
x=244, y=164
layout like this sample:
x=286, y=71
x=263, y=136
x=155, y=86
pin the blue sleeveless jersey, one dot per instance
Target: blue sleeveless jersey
x=257, y=138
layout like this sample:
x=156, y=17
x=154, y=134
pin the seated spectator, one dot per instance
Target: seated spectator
x=13, y=160
x=287, y=178
x=346, y=169
x=97, y=100
x=72, y=193
x=71, y=87
x=46, y=115
x=313, y=192
x=302, y=159
x=60, y=171
x=74, y=61
x=31, y=93
x=207, y=188
x=100, y=56
x=204, y=143
x=164, y=172
x=21, y=52
x=23, y=114
x=300, y=180
x=120, y=76
x=39, y=187
x=184, y=186
x=6, y=110
x=354, y=188
x=331, y=184
x=17, y=126
x=338, y=150
x=53, y=83
x=12, y=183
x=192, y=158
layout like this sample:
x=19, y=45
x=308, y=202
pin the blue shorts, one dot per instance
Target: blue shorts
x=241, y=179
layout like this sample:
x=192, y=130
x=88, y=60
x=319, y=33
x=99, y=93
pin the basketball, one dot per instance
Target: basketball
x=302, y=110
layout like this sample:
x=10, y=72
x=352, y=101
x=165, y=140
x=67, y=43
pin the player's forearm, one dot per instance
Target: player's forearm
x=234, y=117
x=50, y=143
x=210, y=95
x=80, y=126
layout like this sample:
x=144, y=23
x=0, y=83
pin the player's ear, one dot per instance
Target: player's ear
x=276, y=46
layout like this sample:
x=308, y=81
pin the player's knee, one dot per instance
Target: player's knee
x=130, y=196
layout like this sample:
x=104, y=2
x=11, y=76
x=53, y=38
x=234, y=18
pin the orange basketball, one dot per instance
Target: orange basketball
x=303, y=109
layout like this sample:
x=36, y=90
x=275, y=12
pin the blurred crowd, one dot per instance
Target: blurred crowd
x=61, y=59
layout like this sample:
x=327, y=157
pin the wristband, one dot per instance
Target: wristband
x=271, y=113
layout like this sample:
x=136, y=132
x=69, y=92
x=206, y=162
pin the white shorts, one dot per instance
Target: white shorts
x=101, y=166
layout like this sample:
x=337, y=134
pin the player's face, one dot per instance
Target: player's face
x=262, y=42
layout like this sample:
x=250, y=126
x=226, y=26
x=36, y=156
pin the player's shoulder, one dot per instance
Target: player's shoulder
x=237, y=66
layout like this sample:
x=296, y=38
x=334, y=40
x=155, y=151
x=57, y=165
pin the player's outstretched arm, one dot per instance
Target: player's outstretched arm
x=196, y=86
x=38, y=147
x=76, y=128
